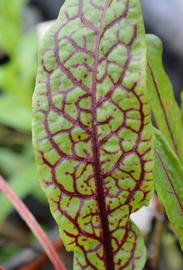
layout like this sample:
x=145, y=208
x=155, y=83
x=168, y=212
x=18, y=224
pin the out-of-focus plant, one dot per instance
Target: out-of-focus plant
x=11, y=24
x=17, y=75
x=169, y=154
x=32, y=224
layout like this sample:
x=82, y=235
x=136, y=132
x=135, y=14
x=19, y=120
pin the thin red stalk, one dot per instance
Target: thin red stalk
x=32, y=224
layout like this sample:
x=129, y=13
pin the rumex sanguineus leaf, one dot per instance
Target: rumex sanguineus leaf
x=164, y=106
x=92, y=130
x=169, y=182
x=182, y=106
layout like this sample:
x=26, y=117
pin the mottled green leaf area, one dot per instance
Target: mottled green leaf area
x=182, y=106
x=169, y=183
x=165, y=109
x=92, y=130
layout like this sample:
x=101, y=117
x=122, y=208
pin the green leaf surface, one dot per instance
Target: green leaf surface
x=182, y=105
x=92, y=130
x=14, y=114
x=9, y=161
x=20, y=170
x=169, y=183
x=17, y=77
x=22, y=183
x=16, y=84
x=10, y=24
x=165, y=109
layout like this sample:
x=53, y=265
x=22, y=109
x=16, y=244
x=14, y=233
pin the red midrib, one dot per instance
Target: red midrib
x=164, y=111
x=100, y=196
x=170, y=180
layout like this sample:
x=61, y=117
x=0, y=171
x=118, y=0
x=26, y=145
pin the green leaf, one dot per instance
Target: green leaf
x=165, y=109
x=92, y=130
x=20, y=170
x=10, y=161
x=16, y=83
x=10, y=24
x=14, y=114
x=169, y=183
x=22, y=183
x=17, y=78
x=182, y=105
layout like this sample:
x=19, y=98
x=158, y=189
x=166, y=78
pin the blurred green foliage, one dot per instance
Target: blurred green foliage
x=17, y=78
x=11, y=24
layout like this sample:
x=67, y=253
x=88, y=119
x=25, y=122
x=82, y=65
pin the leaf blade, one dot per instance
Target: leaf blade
x=182, y=105
x=92, y=130
x=165, y=109
x=169, y=183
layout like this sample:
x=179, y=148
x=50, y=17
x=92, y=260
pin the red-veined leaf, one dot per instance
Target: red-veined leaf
x=169, y=183
x=182, y=105
x=164, y=106
x=92, y=130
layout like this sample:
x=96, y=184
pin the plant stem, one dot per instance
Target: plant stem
x=157, y=239
x=32, y=224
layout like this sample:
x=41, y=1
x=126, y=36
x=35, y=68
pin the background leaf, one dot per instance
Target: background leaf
x=14, y=114
x=9, y=161
x=20, y=170
x=169, y=183
x=11, y=20
x=165, y=109
x=22, y=183
x=17, y=78
x=182, y=105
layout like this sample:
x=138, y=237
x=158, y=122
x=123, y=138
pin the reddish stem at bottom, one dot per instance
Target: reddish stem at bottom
x=32, y=224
